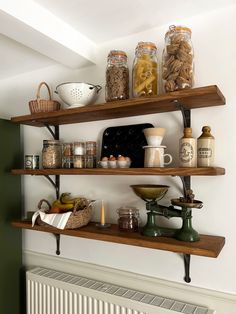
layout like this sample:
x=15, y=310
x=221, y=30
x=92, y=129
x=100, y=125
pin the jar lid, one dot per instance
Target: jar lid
x=117, y=53
x=128, y=210
x=148, y=45
x=178, y=28
x=52, y=142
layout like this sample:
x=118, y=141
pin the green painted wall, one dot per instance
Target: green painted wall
x=10, y=208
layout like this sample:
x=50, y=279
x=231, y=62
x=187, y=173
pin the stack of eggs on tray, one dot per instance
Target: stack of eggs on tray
x=113, y=162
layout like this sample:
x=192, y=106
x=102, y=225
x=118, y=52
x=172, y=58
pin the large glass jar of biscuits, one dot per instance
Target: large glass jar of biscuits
x=117, y=76
x=145, y=70
x=177, y=59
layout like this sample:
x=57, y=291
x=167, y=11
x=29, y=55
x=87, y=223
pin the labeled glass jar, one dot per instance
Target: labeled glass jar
x=67, y=155
x=51, y=154
x=79, y=148
x=117, y=76
x=177, y=59
x=79, y=161
x=91, y=148
x=90, y=161
x=144, y=76
x=128, y=219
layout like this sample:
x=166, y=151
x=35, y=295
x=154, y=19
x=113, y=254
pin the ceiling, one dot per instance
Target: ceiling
x=38, y=33
x=105, y=20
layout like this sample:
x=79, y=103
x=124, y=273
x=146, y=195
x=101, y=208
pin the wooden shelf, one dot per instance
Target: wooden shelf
x=181, y=171
x=209, y=246
x=190, y=98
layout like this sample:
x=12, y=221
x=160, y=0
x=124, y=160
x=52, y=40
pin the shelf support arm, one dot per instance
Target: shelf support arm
x=55, y=132
x=186, y=181
x=187, y=267
x=186, y=113
x=55, y=184
x=58, y=238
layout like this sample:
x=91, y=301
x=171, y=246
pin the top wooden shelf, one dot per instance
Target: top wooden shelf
x=190, y=98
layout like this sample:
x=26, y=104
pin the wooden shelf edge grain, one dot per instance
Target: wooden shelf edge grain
x=190, y=98
x=178, y=171
x=209, y=246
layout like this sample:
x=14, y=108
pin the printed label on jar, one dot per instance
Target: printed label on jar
x=186, y=152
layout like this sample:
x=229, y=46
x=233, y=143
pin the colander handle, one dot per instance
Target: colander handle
x=39, y=88
x=98, y=87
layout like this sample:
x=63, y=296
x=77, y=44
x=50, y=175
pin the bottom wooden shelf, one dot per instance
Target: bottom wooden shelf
x=209, y=246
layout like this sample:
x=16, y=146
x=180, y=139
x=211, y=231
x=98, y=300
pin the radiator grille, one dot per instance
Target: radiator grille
x=54, y=292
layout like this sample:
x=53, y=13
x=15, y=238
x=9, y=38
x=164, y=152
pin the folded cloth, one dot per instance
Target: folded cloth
x=56, y=220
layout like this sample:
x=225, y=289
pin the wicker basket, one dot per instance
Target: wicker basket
x=77, y=219
x=42, y=105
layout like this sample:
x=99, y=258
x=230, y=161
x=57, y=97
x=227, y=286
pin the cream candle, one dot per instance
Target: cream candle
x=102, y=217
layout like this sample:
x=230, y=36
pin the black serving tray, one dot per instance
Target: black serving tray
x=126, y=140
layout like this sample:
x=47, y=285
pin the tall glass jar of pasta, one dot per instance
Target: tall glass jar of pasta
x=177, y=59
x=117, y=76
x=145, y=70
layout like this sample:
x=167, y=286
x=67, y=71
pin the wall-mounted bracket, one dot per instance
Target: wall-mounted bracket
x=58, y=238
x=186, y=113
x=55, y=132
x=55, y=184
x=187, y=267
x=186, y=181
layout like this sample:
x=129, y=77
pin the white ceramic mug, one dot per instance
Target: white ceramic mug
x=155, y=157
x=154, y=136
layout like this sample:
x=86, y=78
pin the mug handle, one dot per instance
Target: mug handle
x=170, y=159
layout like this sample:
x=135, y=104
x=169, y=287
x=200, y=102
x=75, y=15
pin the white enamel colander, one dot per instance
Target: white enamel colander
x=76, y=94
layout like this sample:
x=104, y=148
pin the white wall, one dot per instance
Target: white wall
x=215, y=50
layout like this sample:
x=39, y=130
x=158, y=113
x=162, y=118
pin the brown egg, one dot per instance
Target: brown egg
x=112, y=157
x=104, y=158
x=121, y=158
x=127, y=159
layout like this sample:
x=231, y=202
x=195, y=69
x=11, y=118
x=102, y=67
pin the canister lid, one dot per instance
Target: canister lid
x=117, y=53
x=178, y=28
x=148, y=45
x=150, y=146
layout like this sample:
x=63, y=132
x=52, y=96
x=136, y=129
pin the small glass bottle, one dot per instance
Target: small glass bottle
x=128, y=219
x=51, y=154
x=144, y=78
x=187, y=149
x=117, y=76
x=177, y=59
x=205, y=148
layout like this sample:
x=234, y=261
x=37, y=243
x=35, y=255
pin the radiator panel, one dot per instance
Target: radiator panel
x=54, y=292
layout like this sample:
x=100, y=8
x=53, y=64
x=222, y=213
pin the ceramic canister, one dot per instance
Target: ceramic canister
x=187, y=149
x=205, y=148
x=155, y=157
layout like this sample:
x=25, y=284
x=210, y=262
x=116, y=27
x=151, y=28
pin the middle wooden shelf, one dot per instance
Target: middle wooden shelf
x=178, y=171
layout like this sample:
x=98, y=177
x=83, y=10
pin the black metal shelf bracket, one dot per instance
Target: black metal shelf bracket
x=186, y=113
x=58, y=238
x=55, y=184
x=187, y=267
x=55, y=132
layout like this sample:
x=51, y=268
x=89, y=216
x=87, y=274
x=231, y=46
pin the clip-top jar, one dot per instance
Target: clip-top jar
x=145, y=70
x=128, y=219
x=177, y=59
x=51, y=154
x=117, y=76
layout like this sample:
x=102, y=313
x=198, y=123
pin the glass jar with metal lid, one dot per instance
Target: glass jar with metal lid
x=51, y=154
x=145, y=80
x=177, y=59
x=117, y=76
x=128, y=218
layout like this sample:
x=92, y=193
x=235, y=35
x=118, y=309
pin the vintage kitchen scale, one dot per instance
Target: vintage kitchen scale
x=152, y=194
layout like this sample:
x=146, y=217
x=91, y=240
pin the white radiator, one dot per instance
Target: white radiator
x=53, y=292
